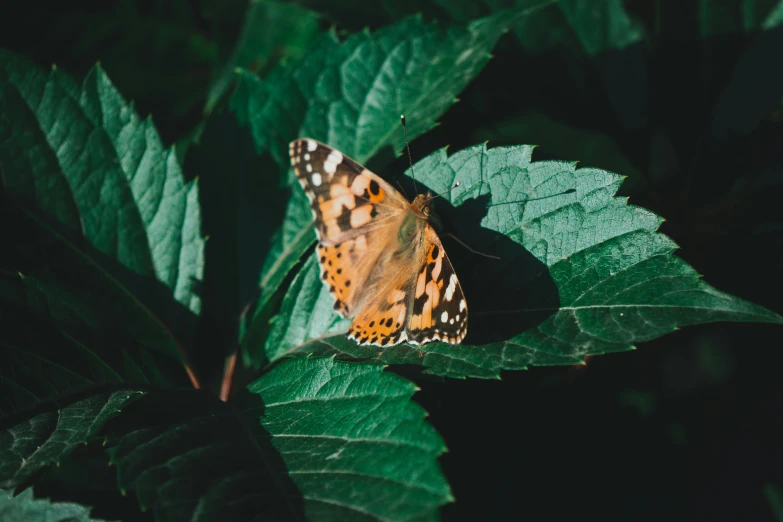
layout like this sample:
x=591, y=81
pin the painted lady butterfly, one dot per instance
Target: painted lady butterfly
x=380, y=258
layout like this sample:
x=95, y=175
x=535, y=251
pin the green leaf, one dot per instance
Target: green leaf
x=271, y=31
x=752, y=92
x=24, y=507
x=589, y=27
x=96, y=191
x=581, y=272
x=241, y=213
x=56, y=340
x=45, y=438
x=721, y=17
x=774, y=495
x=314, y=438
x=593, y=148
x=104, y=173
x=350, y=95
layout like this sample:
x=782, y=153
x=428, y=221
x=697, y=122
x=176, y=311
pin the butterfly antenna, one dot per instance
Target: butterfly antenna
x=408, y=147
x=457, y=184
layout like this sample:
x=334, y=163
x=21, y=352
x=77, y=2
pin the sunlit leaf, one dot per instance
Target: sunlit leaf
x=581, y=272
x=313, y=438
x=24, y=507
x=350, y=95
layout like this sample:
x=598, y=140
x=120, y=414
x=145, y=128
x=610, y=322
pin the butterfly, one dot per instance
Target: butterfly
x=379, y=256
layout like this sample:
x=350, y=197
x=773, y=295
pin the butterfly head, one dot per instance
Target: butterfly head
x=423, y=203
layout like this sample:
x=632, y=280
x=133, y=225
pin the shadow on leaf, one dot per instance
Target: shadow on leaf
x=185, y=452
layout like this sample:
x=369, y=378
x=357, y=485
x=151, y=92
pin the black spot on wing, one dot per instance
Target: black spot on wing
x=418, y=302
x=344, y=219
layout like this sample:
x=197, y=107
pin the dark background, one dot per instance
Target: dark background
x=685, y=428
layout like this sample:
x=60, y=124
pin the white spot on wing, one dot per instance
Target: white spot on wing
x=462, y=305
x=312, y=145
x=309, y=167
x=316, y=179
x=444, y=316
x=307, y=156
x=450, y=289
x=334, y=159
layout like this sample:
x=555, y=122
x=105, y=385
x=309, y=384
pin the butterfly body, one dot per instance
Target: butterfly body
x=379, y=255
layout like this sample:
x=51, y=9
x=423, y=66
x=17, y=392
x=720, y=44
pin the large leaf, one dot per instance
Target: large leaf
x=563, y=141
x=129, y=193
x=586, y=27
x=350, y=95
x=314, y=438
x=271, y=31
x=738, y=16
x=24, y=507
x=581, y=272
x=54, y=341
x=132, y=201
x=94, y=188
x=45, y=438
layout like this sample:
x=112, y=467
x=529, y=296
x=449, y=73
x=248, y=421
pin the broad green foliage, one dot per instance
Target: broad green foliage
x=581, y=272
x=102, y=264
x=45, y=438
x=589, y=27
x=102, y=171
x=272, y=30
x=774, y=495
x=592, y=148
x=24, y=507
x=738, y=16
x=314, y=438
x=52, y=343
x=96, y=191
x=350, y=94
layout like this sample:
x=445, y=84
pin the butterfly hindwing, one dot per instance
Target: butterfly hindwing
x=439, y=311
x=415, y=306
x=346, y=266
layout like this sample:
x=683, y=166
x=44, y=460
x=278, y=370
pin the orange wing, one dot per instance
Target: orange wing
x=415, y=306
x=356, y=214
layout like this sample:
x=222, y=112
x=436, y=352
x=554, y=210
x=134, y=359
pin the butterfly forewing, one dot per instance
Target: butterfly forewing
x=346, y=199
x=353, y=209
